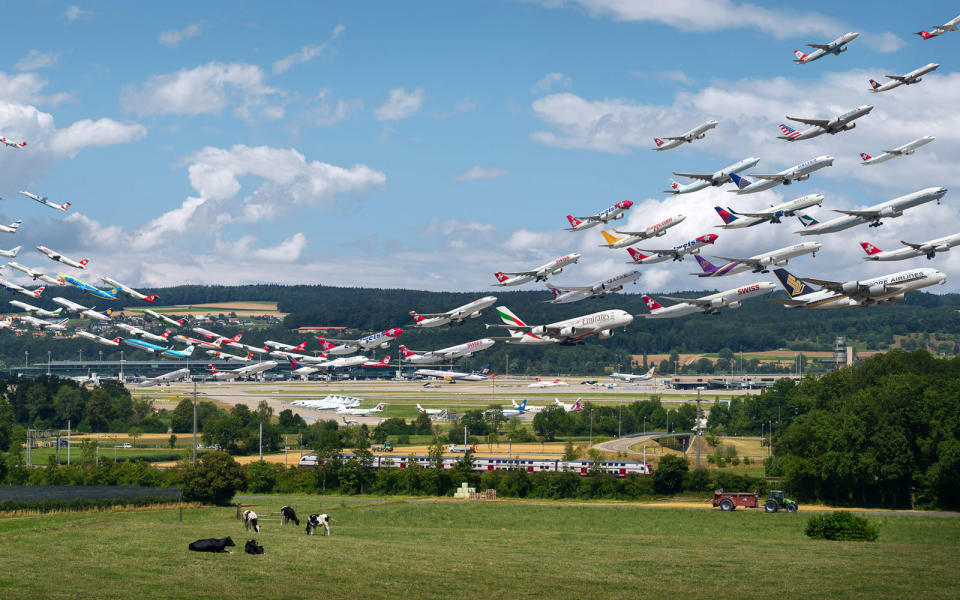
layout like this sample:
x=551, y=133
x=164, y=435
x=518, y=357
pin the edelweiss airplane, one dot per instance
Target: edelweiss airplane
x=247, y=371
x=709, y=304
x=800, y=172
x=86, y=287
x=887, y=289
x=165, y=378
x=904, y=150
x=456, y=316
x=908, y=79
x=872, y=214
x=141, y=333
x=716, y=178
x=630, y=377
x=566, y=294
x=604, y=216
x=63, y=259
x=229, y=357
x=832, y=126
x=361, y=411
x=820, y=50
x=575, y=407
x=738, y=220
x=46, y=201
x=163, y=318
x=41, y=324
x=697, y=133
x=12, y=253
x=148, y=347
x=568, y=331
x=100, y=340
x=11, y=228
x=675, y=253
x=33, y=274
x=758, y=263
x=935, y=31
x=13, y=287
x=13, y=144
x=377, y=340
x=481, y=375
x=632, y=237
x=129, y=291
x=453, y=352
x=540, y=383
x=383, y=363
x=35, y=309
x=928, y=249
x=538, y=274
x=83, y=310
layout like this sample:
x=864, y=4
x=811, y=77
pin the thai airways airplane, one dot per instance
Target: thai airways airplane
x=480, y=375
x=12, y=253
x=935, y=31
x=141, y=333
x=377, y=340
x=904, y=150
x=153, y=348
x=13, y=144
x=100, y=340
x=575, y=407
x=35, y=309
x=456, y=316
x=164, y=318
x=697, y=133
x=86, y=287
x=246, y=371
x=13, y=287
x=630, y=377
x=738, y=220
x=540, y=383
x=63, y=259
x=129, y=291
x=716, y=178
x=34, y=274
x=83, y=310
x=758, y=263
x=800, y=172
x=539, y=274
x=908, y=79
x=632, y=237
x=820, y=50
x=165, y=378
x=568, y=331
x=604, y=216
x=361, y=411
x=12, y=227
x=709, y=304
x=566, y=294
x=929, y=249
x=44, y=200
x=675, y=253
x=453, y=352
x=832, y=126
x=872, y=214
x=887, y=289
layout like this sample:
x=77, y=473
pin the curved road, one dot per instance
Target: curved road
x=623, y=444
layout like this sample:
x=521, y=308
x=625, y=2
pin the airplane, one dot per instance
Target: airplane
x=540, y=383
x=46, y=201
x=533, y=409
x=758, y=263
x=376, y=340
x=565, y=294
x=11, y=228
x=344, y=362
x=716, y=178
x=197, y=342
x=432, y=412
x=148, y=347
x=6, y=323
x=300, y=357
x=165, y=378
x=349, y=422
x=35, y=309
x=538, y=274
x=517, y=410
x=935, y=31
x=216, y=336
x=13, y=287
x=229, y=357
x=384, y=363
x=86, y=287
x=246, y=371
x=738, y=220
x=270, y=344
x=909, y=79
x=575, y=407
x=329, y=402
x=568, y=331
x=98, y=339
x=904, y=150
x=140, y=333
x=928, y=249
x=697, y=133
x=456, y=316
x=164, y=318
x=361, y=411
x=35, y=274
x=12, y=253
x=630, y=377
x=41, y=324
x=13, y=144
x=820, y=50
x=480, y=375
x=604, y=216
x=426, y=358
x=832, y=126
x=296, y=369
x=799, y=172
x=63, y=259
x=83, y=310
x=129, y=291
x=887, y=289
x=872, y=214
x=709, y=304
x=632, y=237
x=675, y=253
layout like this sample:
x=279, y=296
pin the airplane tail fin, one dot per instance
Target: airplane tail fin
x=658, y=142
x=556, y=292
x=869, y=248
x=793, y=285
x=22, y=144
x=249, y=355
x=727, y=216
x=116, y=340
x=674, y=187
x=14, y=251
x=576, y=406
x=188, y=350
x=151, y=298
x=213, y=369
x=507, y=316
x=85, y=261
x=294, y=365
x=865, y=157
x=39, y=291
x=65, y=205
x=416, y=318
x=741, y=182
x=806, y=220
x=15, y=224
x=107, y=312
x=523, y=404
x=406, y=352
x=301, y=345
x=165, y=334
x=924, y=34
x=57, y=312
x=573, y=220
x=484, y=371
x=873, y=84
x=378, y=407
x=500, y=276
x=324, y=344
x=652, y=371
x=636, y=255
x=609, y=237
x=800, y=56
x=789, y=133
x=707, y=266
x=652, y=304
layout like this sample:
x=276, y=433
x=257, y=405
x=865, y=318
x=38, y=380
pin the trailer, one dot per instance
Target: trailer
x=728, y=501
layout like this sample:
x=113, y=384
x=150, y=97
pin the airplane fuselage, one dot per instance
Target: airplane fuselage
x=889, y=209
x=798, y=172
x=729, y=298
x=876, y=290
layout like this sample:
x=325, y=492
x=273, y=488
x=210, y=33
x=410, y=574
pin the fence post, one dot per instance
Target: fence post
x=238, y=510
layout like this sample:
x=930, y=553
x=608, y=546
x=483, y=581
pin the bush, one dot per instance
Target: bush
x=668, y=478
x=841, y=526
x=215, y=478
x=698, y=480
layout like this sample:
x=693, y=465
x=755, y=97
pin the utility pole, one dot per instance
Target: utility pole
x=48, y=363
x=68, y=441
x=261, y=441
x=699, y=428
x=194, y=423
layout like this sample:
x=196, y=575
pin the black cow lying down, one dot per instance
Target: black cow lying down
x=212, y=545
x=252, y=547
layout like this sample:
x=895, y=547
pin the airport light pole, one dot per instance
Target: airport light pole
x=194, y=422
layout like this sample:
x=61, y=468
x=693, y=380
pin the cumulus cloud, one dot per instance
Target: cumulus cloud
x=475, y=173
x=400, y=104
x=37, y=60
x=287, y=251
x=24, y=88
x=102, y=132
x=173, y=37
x=307, y=52
x=75, y=13
x=551, y=81
x=325, y=112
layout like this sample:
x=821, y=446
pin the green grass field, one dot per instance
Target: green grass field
x=408, y=549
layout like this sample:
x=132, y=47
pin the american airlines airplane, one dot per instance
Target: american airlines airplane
x=697, y=133
x=886, y=289
x=820, y=50
x=872, y=214
x=757, y=263
x=539, y=274
x=929, y=249
x=36, y=309
x=908, y=79
x=456, y=316
x=567, y=294
x=381, y=339
x=716, y=178
x=82, y=264
x=46, y=201
x=904, y=150
x=675, y=253
x=738, y=220
x=453, y=352
x=632, y=237
x=630, y=377
x=165, y=378
x=604, y=216
x=935, y=31
x=710, y=304
x=568, y=331
x=11, y=228
x=799, y=172
x=832, y=126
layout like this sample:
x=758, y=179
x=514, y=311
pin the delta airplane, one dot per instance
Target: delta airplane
x=909, y=79
x=872, y=214
x=568, y=331
x=738, y=220
x=456, y=316
x=155, y=349
x=716, y=178
x=820, y=50
x=12, y=253
x=566, y=294
x=63, y=259
x=140, y=333
x=928, y=249
x=377, y=340
x=41, y=324
x=246, y=371
x=800, y=172
x=129, y=291
x=538, y=274
x=13, y=144
x=33, y=274
x=575, y=407
x=904, y=150
x=709, y=304
x=35, y=309
x=540, y=383
x=361, y=411
x=675, y=253
x=11, y=228
x=44, y=200
x=13, y=287
x=83, y=310
x=630, y=377
x=229, y=357
x=164, y=318
x=86, y=287
x=832, y=126
x=886, y=289
x=480, y=375
x=100, y=340
x=697, y=133
x=165, y=378
x=453, y=352
x=758, y=263
x=935, y=31
x=632, y=237
x=604, y=216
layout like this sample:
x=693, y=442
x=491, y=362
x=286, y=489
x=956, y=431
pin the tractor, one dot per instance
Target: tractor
x=776, y=501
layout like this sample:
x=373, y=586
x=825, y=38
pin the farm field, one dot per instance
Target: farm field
x=414, y=549
x=248, y=308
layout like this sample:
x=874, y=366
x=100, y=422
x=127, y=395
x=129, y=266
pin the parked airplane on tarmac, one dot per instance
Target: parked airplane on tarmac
x=675, y=253
x=563, y=294
x=832, y=126
x=539, y=274
x=904, y=150
x=431, y=412
x=11, y=228
x=908, y=79
x=709, y=304
x=129, y=291
x=575, y=407
x=361, y=411
x=540, y=383
x=820, y=50
x=630, y=377
x=799, y=172
x=697, y=133
x=758, y=263
x=872, y=214
x=44, y=200
x=480, y=375
x=165, y=378
x=456, y=316
x=716, y=178
x=12, y=253
x=568, y=331
x=451, y=353
x=935, y=31
x=886, y=289
x=928, y=249
x=517, y=410
x=738, y=220
x=377, y=340
x=83, y=310
x=63, y=259
x=36, y=309
x=604, y=216
x=100, y=340
x=632, y=237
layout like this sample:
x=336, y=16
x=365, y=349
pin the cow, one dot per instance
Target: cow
x=212, y=545
x=250, y=520
x=287, y=514
x=315, y=521
x=252, y=547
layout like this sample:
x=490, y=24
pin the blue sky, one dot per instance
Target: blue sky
x=430, y=144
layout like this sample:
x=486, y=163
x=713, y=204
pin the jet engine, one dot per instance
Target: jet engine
x=700, y=137
x=618, y=217
x=598, y=288
x=803, y=177
x=877, y=289
x=917, y=80
x=894, y=299
x=568, y=332
x=850, y=287
x=849, y=126
x=781, y=263
x=734, y=304
x=766, y=260
x=716, y=302
x=890, y=212
x=474, y=315
x=839, y=50
x=539, y=330
x=660, y=233
x=616, y=289
x=605, y=333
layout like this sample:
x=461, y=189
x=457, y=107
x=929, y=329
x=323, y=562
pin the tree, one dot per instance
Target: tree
x=549, y=421
x=494, y=415
x=134, y=434
x=215, y=478
x=668, y=478
x=224, y=432
x=172, y=441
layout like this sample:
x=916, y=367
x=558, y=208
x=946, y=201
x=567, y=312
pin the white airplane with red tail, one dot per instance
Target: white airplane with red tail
x=46, y=201
x=81, y=264
x=11, y=143
x=456, y=316
x=539, y=274
x=604, y=216
x=381, y=339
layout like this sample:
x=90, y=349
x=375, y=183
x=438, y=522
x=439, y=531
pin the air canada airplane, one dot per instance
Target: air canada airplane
x=886, y=289
x=872, y=214
x=716, y=178
x=758, y=263
x=630, y=377
x=929, y=249
x=904, y=150
x=539, y=274
x=820, y=50
x=566, y=294
x=456, y=316
x=675, y=253
x=604, y=216
x=453, y=352
x=908, y=79
x=935, y=31
x=568, y=331
x=799, y=172
x=632, y=237
x=697, y=133
x=709, y=304
x=738, y=220
x=832, y=126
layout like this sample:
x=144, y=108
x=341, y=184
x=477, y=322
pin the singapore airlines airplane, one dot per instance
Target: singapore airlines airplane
x=697, y=133
x=832, y=126
x=604, y=216
x=886, y=289
x=709, y=304
x=872, y=214
x=738, y=220
x=820, y=50
x=904, y=150
x=456, y=316
x=908, y=79
x=716, y=178
x=632, y=237
x=800, y=172
x=568, y=331
x=929, y=249
x=539, y=274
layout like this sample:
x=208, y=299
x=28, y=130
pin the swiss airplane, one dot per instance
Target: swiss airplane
x=229, y=357
x=246, y=371
x=630, y=377
x=697, y=133
x=632, y=237
x=12, y=253
x=904, y=150
x=211, y=335
x=604, y=216
x=164, y=318
x=886, y=289
x=709, y=304
x=165, y=378
x=568, y=331
x=377, y=340
x=129, y=291
x=480, y=375
x=675, y=253
x=140, y=333
x=13, y=144
x=564, y=294
x=908, y=79
x=758, y=263
x=935, y=31
x=929, y=249
x=46, y=201
x=12, y=227
x=872, y=214
x=83, y=310
x=41, y=312
x=538, y=274
x=820, y=50
x=13, y=287
x=716, y=178
x=281, y=346
x=832, y=126
x=540, y=383
x=361, y=411
x=41, y=324
x=799, y=172
x=35, y=275
x=82, y=264
x=456, y=316
x=100, y=340
x=738, y=220
x=453, y=352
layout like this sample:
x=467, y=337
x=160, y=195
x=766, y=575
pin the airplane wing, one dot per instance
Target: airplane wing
x=518, y=272
x=671, y=252
x=894, y=152
x=679, y=137
x=820, y=46
x=859, y=213
x=837, y=286
x=817, y=122
x=760, y=215
x=703, y=176
x=896, y=77
x=695, y=301
x=643, y=234
x=914, y=246
x=443, y=314
x=514, y=327
x=772, y=177
x=746, y=261
x=572, y=288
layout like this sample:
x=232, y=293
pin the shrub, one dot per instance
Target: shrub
x=841, y=526
x=698, y=480
x=215, y=478
x=668, y=478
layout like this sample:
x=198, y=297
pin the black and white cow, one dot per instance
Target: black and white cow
x=250, y=520
x=287, y=514
x=315, y=521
